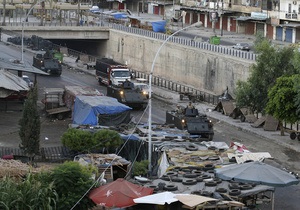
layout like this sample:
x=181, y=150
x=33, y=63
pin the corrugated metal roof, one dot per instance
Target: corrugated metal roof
x=10, y=82
x=13, y=65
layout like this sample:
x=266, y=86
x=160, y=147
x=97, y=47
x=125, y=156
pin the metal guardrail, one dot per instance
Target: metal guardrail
x=188, y=42
x=151, y=34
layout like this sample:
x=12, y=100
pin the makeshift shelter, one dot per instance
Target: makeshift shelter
x=99, y=110
x=119, y=193
x=11, y=83
x=225, y=107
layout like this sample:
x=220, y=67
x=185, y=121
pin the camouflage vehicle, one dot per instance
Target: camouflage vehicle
x=129, y=95
x=192, y=121
x=48, y=63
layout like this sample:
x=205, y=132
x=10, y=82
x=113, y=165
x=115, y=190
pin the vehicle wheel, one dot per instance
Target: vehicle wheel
x=171, y=173
x=234, y=186
x=196, y=192
x=204, y=176
x=176, y=179
x=199, y=179
x=190, y=175
x=170, y=187
x=221, y=190
x=191, y=147
x=218, y=180
x=189, y=182
x=208, y=167
x=246, y=187
x=165, y=178
x=211, y=184
x=243, y=118
x=60, y=116
x=234, y=192
x=293, y=136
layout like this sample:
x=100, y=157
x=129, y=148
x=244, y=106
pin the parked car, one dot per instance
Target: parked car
x=241, y=46
x=27, y=80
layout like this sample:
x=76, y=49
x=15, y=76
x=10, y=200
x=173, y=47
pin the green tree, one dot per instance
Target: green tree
x=30, y=125
x=78, y=140
x=272, y=62
x=281, y=100
x=297, y=97
x=71, y=180
x=108, y=139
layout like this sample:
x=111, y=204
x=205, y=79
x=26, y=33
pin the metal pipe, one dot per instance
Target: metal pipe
x=150, y=93
x=22, y=41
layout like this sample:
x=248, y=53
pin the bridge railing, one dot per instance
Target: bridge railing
x=187, y=42
x=151, y=34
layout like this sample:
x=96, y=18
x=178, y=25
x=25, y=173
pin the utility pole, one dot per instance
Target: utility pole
x=4, y=12
x=222, y=12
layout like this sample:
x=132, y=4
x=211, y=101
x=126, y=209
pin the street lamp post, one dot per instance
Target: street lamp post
x=150, y=92
x=22, y=41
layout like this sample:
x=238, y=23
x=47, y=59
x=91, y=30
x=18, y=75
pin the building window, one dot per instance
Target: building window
x=299, y=9
x=290, y=8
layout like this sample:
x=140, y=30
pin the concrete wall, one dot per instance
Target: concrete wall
x=204, y=70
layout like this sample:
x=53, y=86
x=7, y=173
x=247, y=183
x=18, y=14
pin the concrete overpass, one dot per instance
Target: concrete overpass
x=62, y=32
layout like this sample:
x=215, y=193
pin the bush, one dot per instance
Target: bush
x=108, y=139
x=78, y=140
x=140, y=168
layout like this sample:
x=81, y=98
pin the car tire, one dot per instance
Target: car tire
x=189, y=181
x=293, y=136
x=235, y=192
x=170, y=187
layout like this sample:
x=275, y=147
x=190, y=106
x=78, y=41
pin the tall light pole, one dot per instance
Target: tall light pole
x=22, y=41
x=150, y=92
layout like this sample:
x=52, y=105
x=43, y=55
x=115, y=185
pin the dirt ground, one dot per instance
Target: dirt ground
x=51, y=129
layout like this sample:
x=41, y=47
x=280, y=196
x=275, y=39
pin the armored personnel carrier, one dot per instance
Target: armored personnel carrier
x=48, y=63
x=129, y=95
x=190, y=119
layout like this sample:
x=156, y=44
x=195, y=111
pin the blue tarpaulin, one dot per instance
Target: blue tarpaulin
x=119, y=15
x=159, y=26
x=87, y=109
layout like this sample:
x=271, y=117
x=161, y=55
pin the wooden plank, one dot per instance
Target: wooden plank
x=58, y=110
x=271, y=124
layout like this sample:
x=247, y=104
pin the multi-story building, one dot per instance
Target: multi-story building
x=277, y=19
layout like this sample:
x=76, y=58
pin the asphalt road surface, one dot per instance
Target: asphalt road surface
x=52, y=129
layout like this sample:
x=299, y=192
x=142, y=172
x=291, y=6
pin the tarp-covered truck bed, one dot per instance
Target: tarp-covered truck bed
x=100, y=110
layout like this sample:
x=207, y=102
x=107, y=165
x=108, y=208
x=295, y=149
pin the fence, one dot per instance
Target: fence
x=47, y=154
x=159, y=36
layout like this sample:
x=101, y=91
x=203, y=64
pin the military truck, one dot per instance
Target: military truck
x=129, y=95
x=48, y=63
x=192, y=121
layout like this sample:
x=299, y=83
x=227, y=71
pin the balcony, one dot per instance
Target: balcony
x=291, y=16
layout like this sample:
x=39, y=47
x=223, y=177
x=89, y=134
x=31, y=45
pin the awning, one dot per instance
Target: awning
x=245, y=18
x=15, y=65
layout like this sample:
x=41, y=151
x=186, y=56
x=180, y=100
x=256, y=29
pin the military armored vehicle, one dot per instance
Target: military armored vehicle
x=127, y=94
x=48, y=63
x=192, y=121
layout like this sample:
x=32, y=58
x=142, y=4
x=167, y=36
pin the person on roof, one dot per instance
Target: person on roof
x=179, y=109
x=190, y=106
